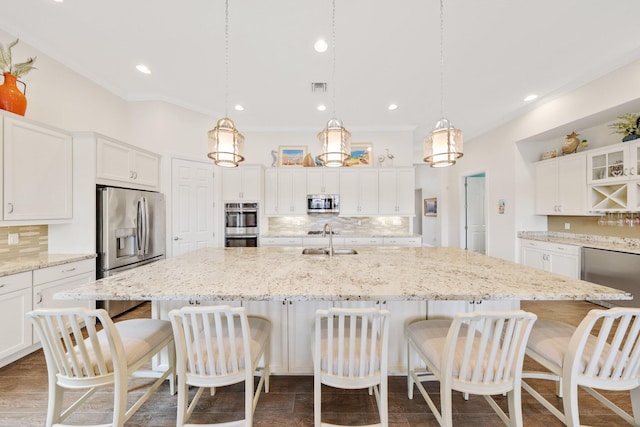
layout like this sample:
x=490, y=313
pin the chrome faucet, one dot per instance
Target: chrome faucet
x=324, y=233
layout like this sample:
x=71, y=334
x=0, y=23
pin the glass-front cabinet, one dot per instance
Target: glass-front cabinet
x=612, y=175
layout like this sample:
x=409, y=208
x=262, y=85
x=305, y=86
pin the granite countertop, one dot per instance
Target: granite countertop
x=620, y=244
x=280, y=274
x=28, y=263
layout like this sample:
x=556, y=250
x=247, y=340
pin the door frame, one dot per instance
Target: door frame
x=463, y=208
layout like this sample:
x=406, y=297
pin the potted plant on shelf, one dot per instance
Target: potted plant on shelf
x=627, y=127
x=11, y=99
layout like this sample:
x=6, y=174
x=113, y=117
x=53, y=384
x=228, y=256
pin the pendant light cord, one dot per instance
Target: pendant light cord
x=226, y=58
x=442, y=58
x=333, y=48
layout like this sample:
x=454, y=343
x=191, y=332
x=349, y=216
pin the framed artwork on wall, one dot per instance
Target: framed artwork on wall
x=361, y=154
x=431, y=206
x=291, y=155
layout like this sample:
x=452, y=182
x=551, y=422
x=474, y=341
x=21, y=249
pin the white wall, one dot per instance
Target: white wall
x=508, y=164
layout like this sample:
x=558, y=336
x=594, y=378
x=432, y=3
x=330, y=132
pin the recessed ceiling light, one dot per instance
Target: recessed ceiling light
x=320, y=46
x=239, y=107
x=531, y=97
x=143, y=69
x=393, y=107
x=322, y=107
x=58, y=1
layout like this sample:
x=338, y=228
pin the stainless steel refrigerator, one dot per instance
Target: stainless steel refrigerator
x=130, y=232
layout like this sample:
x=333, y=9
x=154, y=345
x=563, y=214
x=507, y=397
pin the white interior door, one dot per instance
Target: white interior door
x=191, y=206
x=475, y=214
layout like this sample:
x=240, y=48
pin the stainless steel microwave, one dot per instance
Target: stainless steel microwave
x=323, y=203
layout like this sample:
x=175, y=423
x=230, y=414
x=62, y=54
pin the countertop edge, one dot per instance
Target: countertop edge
x=28, y=263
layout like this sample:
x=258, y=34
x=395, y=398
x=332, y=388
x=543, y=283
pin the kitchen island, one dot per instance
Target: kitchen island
x=287, y=287
x=391, y=274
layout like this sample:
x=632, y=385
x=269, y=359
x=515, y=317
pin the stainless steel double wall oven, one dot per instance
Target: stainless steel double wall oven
x=241, y=225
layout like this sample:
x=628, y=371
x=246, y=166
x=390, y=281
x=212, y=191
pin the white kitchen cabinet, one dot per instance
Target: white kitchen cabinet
x=358, y=191
x=38, y=172
x=49, y=280
x=285, y=191
x=402, y=241
x=396, y=188
x=613, y=163
x=292, y=332
x=447, y=309
x=121, y=164
x=553, y=257
x=322, y=180
x=614, y=178
x=243, y=183
x=401, y=314
x=301, y=329
x=363, y=241
x=15, y=303
x=281, y=241
x=560, y=186
x=276, y=312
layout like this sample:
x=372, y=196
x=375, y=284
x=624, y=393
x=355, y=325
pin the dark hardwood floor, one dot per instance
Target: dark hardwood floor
x=23, y=397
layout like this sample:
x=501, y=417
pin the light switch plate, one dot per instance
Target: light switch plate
x=567, y=226
x=13, y=239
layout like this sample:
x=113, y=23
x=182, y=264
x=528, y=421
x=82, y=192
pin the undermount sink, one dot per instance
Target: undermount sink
x=325, y=251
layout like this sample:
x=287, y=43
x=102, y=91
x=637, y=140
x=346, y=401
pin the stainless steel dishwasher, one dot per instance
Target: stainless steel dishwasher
x=620, y=270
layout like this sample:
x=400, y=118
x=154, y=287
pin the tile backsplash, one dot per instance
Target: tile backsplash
x=369, y=226
x=33, y=240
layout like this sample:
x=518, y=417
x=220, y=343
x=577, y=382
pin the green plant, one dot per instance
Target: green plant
x=7, y=65
x=628, y=124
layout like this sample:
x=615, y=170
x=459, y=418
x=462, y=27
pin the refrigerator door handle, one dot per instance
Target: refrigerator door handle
x=140, y=226
x=146, y=225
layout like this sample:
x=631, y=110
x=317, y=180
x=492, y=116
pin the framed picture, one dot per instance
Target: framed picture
x=291, y=155
x=431, y=206
x=361, y=154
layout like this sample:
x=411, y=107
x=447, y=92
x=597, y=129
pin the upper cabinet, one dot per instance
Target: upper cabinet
x=37, y=172
x=396, y=191
x=286, y=191
x=122, y=164
x=358, y=191
x=613, y=178
x=323, y=180
x=560, y=186
x=243, y=183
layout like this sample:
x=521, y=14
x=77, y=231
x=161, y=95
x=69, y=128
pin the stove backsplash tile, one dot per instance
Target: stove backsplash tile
x=360, y=226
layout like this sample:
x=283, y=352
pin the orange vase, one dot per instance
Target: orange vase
x=11, y=99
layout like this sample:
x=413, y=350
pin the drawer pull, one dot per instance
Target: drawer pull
x=68, y=270
x=2, y=285
x=39, y=298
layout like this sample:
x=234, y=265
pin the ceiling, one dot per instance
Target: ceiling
x=495, y=53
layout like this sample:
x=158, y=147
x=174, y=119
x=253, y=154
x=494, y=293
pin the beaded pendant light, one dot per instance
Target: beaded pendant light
x=334, y=139
x=444, y=145
x=226, y=144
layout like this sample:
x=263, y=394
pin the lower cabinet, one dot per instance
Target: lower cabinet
x=447, y=309
x=553, y=257
x=47, y=281
x=15, y=303
x=402, y=313
x=30, y=290
x=293, y=324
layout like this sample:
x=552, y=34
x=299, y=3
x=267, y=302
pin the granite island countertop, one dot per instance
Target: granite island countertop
x=375, y=273
x=35, y=262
